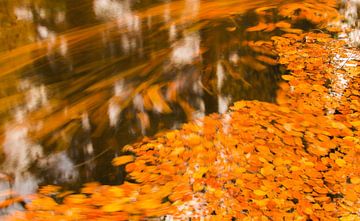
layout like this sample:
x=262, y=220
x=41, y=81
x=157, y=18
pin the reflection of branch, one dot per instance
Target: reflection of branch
x=234, y=74
x=348, y=59
x=92, y=159
x=316, y=29
x=205, y=88
x=235, y=23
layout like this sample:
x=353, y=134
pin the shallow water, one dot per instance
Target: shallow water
x=80, y=79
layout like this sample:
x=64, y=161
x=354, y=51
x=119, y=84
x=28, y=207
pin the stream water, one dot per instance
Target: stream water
x=80, y=79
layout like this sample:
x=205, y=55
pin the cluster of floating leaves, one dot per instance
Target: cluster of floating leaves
x=55, y=122
x=295, y=160
x=318, y=84
x=260, y=160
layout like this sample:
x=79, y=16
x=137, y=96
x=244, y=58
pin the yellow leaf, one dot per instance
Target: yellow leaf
x=197, y=187
x=267, y=170
x=75, y=199
x=284, y=109
x=117, y=191
x=198, y=174
x=239, y=105
x=149, y=204
x=292, y=30
x=295, y=168
x=266, y=59
x=340, y=162
x=263, y=149
x=239, y=170
x=259, y=192
x=171, y=135
x=350, y=217
x=283, y=24
x=308, y=211
x=308, y=163
x=117, y=161
x=355, y=123
x=355, y=180
x=231, y=29
x=49, y=189
x=177, y=151
x=259, y=27
x=287, y=77
x=112, y=207
x=262, y=203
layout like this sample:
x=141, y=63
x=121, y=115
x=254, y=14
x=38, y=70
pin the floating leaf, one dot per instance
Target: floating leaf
x=259, y=27
x=340, y=162
x=118, y=161
x=259, y=192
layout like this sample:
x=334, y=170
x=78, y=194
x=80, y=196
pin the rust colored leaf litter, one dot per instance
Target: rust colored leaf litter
x=297, y=160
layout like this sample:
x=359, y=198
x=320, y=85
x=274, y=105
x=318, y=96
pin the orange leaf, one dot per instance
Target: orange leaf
x=259, y=27
x=117, y=161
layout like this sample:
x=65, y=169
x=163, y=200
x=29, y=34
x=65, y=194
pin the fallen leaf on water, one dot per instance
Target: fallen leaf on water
x=118, y=161
x=259, y=27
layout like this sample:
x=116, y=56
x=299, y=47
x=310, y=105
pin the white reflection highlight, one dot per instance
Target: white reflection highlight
x=220, y=74
x=352, y=18
x=89, y=148
x=186, y=50
x=200, y=113
x=23, y=13
x=340, y=83
x=25, y=184
x=354, y=37
x=43, y=31
x=60, y=17
x=138, y=102
x=192, y=8
x=346, y=58
x=19, y=150
x=42, y=13
x=351, y=15
x=36, y=97
x=61, y=165
x=223, y=101
x=63, y=46
x=223, y=104
x=120, y=89
x=114, y=111
x=85, y=122
x=121, y=13
x=120, y=10
x=121, y=92
x=20, y=153
x=167, y=12
x=234, y=58
x=107, y=9
x=172, y=32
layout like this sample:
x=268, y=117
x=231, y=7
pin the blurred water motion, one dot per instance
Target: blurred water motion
x=80, y=79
